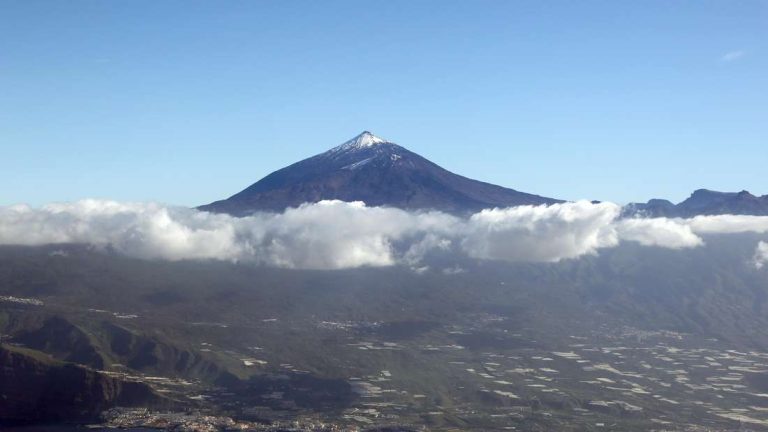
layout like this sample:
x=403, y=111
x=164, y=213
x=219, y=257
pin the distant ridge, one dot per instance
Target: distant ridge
x=380, y=173
x=703, y=202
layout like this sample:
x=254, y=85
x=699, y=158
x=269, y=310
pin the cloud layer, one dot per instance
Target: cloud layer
x=761, y=255
x=335, y=234
x=541, y=233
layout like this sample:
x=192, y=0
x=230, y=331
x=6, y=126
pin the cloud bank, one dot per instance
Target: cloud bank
x=761, y=255
x=540, y=233
x=336, y=234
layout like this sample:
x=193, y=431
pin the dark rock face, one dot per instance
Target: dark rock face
x=703, y=202
x=156, y=356
x=95, y=345
x=61, y=339
x=35, y=388
x=380, y=173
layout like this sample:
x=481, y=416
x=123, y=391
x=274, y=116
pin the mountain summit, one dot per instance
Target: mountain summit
x=376, y=171
x=365, y=139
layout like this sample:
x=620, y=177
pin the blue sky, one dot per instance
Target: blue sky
x=185, y=102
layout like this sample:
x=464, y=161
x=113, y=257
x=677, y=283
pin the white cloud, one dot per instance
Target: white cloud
x=326, y=235
x=138, y=229
x=761, y=254
x=728, y=224
x=541, y=233
x=732, y=56
x=335, y=234
x=663, y=232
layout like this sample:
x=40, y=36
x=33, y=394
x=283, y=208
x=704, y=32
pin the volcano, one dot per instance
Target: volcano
x=378, y=172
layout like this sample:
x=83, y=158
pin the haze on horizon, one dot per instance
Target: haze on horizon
x=188, y=102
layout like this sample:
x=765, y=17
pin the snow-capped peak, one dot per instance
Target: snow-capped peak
x=365, y=139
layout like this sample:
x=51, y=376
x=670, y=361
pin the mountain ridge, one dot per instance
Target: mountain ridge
x=703, y=202
x=380, y=173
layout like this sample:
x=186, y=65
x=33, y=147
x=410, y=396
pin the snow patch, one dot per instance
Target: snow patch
x=364, y=140
x=359, y=164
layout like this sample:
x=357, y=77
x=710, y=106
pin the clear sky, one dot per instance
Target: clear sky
x=185, y=102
